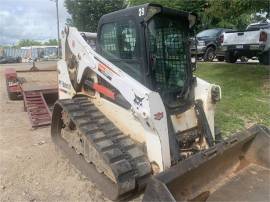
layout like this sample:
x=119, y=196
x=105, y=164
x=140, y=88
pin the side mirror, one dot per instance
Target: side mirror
x=193, y=53
x=193, y=63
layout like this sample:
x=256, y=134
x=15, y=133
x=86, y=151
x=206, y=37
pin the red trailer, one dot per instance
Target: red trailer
x=13, y=84
x=35, y=94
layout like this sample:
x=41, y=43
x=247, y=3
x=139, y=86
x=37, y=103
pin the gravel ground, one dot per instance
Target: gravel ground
x=31, y=168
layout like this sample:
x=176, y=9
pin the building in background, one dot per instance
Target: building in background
x=31, y=53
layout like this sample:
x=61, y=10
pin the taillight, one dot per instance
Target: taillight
x=221, y=38
x=263, y=36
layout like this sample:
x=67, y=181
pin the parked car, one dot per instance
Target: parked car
x=209, y=44
x=9, y=59
x=253, y=42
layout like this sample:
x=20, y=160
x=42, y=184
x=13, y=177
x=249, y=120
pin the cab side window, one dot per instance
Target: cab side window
x=108, y=41
x=119, y=44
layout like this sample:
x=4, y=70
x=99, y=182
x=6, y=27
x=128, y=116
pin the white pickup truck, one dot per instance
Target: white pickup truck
x=253, y=42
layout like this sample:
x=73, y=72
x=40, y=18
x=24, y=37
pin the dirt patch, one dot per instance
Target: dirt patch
x=31, y=168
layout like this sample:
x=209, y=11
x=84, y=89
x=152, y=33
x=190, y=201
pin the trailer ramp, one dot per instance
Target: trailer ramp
x=37, y=109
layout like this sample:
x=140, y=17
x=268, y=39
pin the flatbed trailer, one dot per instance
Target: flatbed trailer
x=13, y=84
x=37, y=96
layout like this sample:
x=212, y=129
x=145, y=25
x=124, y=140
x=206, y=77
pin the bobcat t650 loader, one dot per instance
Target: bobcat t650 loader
x=131, y=115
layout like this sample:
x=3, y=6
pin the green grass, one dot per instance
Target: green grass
x=245, y=94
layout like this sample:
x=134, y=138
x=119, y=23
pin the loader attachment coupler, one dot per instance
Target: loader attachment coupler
x=237, y=169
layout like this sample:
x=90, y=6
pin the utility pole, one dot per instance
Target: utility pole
x=58, y=32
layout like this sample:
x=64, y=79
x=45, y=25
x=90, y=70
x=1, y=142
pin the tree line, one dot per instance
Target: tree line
x=235, y=14
x=30, y=42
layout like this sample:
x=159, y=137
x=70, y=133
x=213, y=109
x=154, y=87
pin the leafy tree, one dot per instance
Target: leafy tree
x=256, y=17
x=235, y=14
x=85, y=14
x=186, y=5
x=28, y=42
x=197, y=6
x=51, y=42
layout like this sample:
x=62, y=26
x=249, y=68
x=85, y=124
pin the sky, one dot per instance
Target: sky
x=30, y=19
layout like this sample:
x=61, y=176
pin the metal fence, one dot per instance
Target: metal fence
x=31, y=52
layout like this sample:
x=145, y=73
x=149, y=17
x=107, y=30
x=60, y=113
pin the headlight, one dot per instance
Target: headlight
x=215, y=93
x=201, y=43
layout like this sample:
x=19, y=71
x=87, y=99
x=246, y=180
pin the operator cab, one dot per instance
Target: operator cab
x=151, y=44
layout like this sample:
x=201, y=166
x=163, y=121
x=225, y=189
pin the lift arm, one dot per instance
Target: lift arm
x=146, y=105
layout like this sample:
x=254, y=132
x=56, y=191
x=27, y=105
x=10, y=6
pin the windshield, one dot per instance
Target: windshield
x=209, y=32
x=169, y=49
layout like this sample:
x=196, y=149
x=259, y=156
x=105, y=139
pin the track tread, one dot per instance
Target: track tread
x=119, y=151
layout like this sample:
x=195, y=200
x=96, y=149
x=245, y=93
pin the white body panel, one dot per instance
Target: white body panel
x=140, y=121
x=130, y=125
x=247, y=38
x=250, y=37
x=188, y=119
x=122, y=118
x=88, y=58
x=65, y=88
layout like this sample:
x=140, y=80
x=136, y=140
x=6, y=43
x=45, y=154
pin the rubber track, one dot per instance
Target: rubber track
x=125, y=158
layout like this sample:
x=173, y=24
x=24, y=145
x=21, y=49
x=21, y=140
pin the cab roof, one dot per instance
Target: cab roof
x=139, y=12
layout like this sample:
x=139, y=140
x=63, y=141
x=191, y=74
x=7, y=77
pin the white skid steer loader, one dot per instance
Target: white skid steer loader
x=131, y=114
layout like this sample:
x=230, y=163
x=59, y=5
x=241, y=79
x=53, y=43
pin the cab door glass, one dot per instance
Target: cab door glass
x=119, y=44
